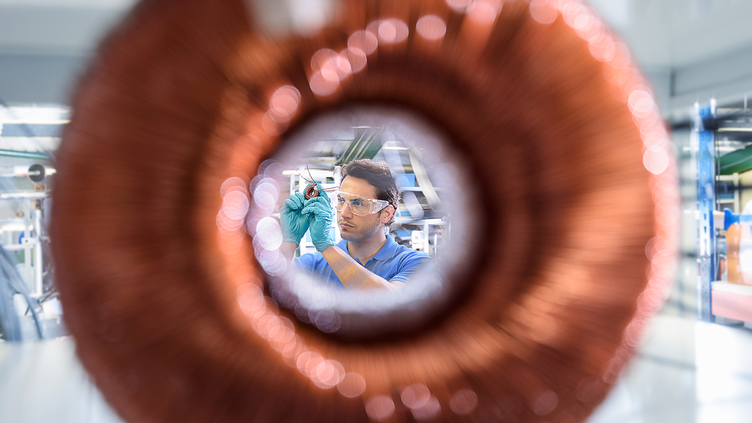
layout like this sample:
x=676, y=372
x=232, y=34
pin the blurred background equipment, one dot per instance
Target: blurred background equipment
x=28, y=138
x=724, y=194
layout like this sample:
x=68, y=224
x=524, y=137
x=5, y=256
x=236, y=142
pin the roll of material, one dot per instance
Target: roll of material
x=172, y=314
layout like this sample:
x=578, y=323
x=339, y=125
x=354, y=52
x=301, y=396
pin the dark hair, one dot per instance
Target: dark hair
x=380, y=176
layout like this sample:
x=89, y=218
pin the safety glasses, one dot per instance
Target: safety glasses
x=360, y=206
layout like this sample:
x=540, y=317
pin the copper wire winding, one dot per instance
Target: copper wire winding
x=310, y=189
x=175, y=103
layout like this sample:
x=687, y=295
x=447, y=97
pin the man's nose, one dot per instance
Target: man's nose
x=346, y=206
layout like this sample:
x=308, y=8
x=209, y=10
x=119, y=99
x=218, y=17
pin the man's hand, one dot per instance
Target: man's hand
x=320, y=211
x=292, y=222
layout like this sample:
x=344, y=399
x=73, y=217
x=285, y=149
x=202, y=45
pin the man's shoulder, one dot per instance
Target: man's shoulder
x=407, y=261
x=409, y=253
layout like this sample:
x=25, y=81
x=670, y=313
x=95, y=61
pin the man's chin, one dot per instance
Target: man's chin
x=347, y=236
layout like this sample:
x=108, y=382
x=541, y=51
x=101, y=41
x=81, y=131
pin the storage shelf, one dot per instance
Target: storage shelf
x=735, y=288
x=732, y=301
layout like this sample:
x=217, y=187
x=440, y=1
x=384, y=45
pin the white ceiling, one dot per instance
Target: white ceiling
x=678, y=33
x=691, y=50
x=69, y=3
x=56, y=26
x=662, y=33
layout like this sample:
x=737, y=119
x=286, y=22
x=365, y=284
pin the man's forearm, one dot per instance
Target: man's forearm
x=351, y=273
x=288, y=250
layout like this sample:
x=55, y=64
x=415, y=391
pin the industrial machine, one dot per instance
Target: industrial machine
x=724, y=163
x=29, y=308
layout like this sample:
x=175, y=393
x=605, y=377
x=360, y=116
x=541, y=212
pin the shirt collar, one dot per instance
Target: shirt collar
x=387, y=250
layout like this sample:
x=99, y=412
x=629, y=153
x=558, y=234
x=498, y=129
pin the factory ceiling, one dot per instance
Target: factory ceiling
x=662, y=33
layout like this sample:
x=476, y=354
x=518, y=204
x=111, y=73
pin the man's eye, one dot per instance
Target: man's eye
x=341, y=200
x=357, y=202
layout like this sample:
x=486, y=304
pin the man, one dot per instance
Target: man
x=366, y=257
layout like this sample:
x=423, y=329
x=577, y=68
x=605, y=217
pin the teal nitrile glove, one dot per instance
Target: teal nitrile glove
x=320, y=211
x=292, y=222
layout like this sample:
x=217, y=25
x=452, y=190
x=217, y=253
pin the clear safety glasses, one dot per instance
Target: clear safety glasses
x=359, y=205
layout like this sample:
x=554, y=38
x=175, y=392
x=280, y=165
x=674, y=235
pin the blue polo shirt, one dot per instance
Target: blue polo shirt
x=393, y=262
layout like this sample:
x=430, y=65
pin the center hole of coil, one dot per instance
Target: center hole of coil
x=362, y=218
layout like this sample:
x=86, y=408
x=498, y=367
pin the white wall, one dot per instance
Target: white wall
x=45, y=45
x=691, y=50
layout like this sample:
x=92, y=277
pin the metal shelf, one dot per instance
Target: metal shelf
x=732, y=301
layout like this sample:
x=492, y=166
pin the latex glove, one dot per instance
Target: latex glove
x=292, y=222
x=319, y=209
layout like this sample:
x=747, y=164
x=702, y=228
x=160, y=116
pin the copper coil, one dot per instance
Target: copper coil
x=567, y=154
x=310, y=191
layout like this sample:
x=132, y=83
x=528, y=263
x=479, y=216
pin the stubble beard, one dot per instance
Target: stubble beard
x=359, y=235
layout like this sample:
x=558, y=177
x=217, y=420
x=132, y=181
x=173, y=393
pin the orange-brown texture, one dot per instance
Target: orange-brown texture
x=172, y=106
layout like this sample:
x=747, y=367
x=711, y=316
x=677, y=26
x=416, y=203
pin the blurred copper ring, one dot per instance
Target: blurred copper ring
x=311, y=191
x=571, y=159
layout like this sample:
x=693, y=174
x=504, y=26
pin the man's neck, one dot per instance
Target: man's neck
x=364, y=250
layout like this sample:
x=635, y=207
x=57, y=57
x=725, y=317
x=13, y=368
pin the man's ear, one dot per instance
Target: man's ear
x=387, y=213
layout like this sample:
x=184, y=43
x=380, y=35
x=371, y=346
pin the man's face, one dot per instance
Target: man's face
x=353, y=227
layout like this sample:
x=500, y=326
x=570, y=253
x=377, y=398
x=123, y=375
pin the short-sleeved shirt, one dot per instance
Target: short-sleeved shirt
x=393, y=262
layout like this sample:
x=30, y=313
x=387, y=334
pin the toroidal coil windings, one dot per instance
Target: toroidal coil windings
x=172, y=314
